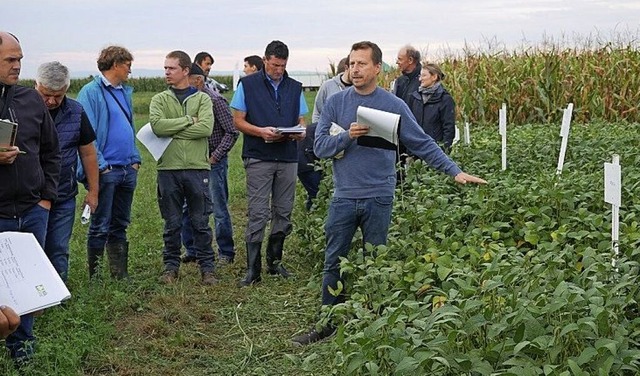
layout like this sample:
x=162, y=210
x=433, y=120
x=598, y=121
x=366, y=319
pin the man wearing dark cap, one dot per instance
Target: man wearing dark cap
x=222, y=139
x=184, y=114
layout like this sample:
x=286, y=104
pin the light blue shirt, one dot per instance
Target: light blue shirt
x=238, y=103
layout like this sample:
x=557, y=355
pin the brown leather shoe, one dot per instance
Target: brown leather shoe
x=209, y=279
x=168, y=277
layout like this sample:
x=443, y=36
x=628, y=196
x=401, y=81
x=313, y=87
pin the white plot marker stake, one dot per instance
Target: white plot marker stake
x=612, y=195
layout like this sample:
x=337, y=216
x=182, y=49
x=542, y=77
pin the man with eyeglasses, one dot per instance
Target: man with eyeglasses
x=109, y=106
x=264, y=101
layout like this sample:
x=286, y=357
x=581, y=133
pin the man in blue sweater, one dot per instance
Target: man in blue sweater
x=364, y=177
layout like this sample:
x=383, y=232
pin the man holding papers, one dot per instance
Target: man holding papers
x=365, y=177
x=186, y=116
x=30, y=180
x=76, y=138
x=264, y=102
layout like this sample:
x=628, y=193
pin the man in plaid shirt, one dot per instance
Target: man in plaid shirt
x=222, y=139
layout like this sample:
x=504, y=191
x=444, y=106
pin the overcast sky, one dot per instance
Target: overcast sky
x=316, y=31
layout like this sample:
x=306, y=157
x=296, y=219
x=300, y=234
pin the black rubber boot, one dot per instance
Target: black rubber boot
x=254, y=264
x=274, y=256
x=93, y=259
x=118, y=260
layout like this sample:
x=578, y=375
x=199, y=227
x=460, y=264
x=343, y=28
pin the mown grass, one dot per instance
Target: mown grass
x=140, y=327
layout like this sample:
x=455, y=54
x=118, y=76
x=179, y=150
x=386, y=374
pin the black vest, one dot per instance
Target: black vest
x=263, y=110
x=67, y=122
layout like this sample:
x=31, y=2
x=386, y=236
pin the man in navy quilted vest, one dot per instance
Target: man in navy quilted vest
x=76, y=137
x=264, y=101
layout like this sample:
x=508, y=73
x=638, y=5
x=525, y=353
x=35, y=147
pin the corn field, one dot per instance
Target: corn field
x=139, y=84
x=537, y=84
x=599, y=77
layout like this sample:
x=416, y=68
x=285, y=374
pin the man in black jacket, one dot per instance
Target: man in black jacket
x=409, y=64
x=29, y=170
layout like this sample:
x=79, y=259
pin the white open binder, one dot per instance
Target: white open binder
x=28, y=281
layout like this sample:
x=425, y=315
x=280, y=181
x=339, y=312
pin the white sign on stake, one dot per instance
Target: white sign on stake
x=502, y=117
x=467, y=134
x=564, y=133
x=456, y=138
x=612, y=195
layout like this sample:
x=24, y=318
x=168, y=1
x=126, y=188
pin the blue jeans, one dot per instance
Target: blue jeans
x=59, y=228
x=112, y=216
x=21, y=343
x=175, y=187
x=219, y=190
x=371, y=215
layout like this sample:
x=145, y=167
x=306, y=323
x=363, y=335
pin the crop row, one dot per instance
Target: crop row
x=513, y=278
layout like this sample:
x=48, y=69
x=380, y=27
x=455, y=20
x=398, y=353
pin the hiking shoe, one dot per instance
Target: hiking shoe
x=313, y=336
x=168, y=277
x=209, y=279
x=186, y=259
x=224, y=260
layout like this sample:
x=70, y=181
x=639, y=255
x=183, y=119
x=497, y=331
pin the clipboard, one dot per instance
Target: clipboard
x=8, y=131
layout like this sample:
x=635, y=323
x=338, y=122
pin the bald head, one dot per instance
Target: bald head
x=408, y=59
x=5, y=34
x=10, y=57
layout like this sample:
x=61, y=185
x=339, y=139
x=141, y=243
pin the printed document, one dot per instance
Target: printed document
x=28, y=281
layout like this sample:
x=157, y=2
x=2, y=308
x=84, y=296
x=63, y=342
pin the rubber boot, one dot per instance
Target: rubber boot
x=274, y=255
x=254, y=264
x=93, y=259
x=118, y=259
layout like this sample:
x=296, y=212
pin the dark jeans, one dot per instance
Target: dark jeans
x=112, y=216
x=372, y=215
x=21, y=343
x=59, y=228
x=219, y=190
x=311, y=182
x=175, y=187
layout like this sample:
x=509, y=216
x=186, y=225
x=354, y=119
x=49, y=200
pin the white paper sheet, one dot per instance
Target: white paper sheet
x=28, y=281
x=381, y=123
x=156, y=145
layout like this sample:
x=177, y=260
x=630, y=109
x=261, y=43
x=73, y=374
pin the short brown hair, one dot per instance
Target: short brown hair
x=376, y=53
x=111, y=55
x=184, y=61
x=343, y=64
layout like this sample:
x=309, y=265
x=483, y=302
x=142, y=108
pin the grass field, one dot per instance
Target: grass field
x=513, y=278
x=139, y=327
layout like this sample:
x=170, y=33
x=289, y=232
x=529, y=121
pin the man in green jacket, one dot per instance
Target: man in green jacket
x=184, y=114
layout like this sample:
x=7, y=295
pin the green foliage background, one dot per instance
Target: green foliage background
x=514, y=278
